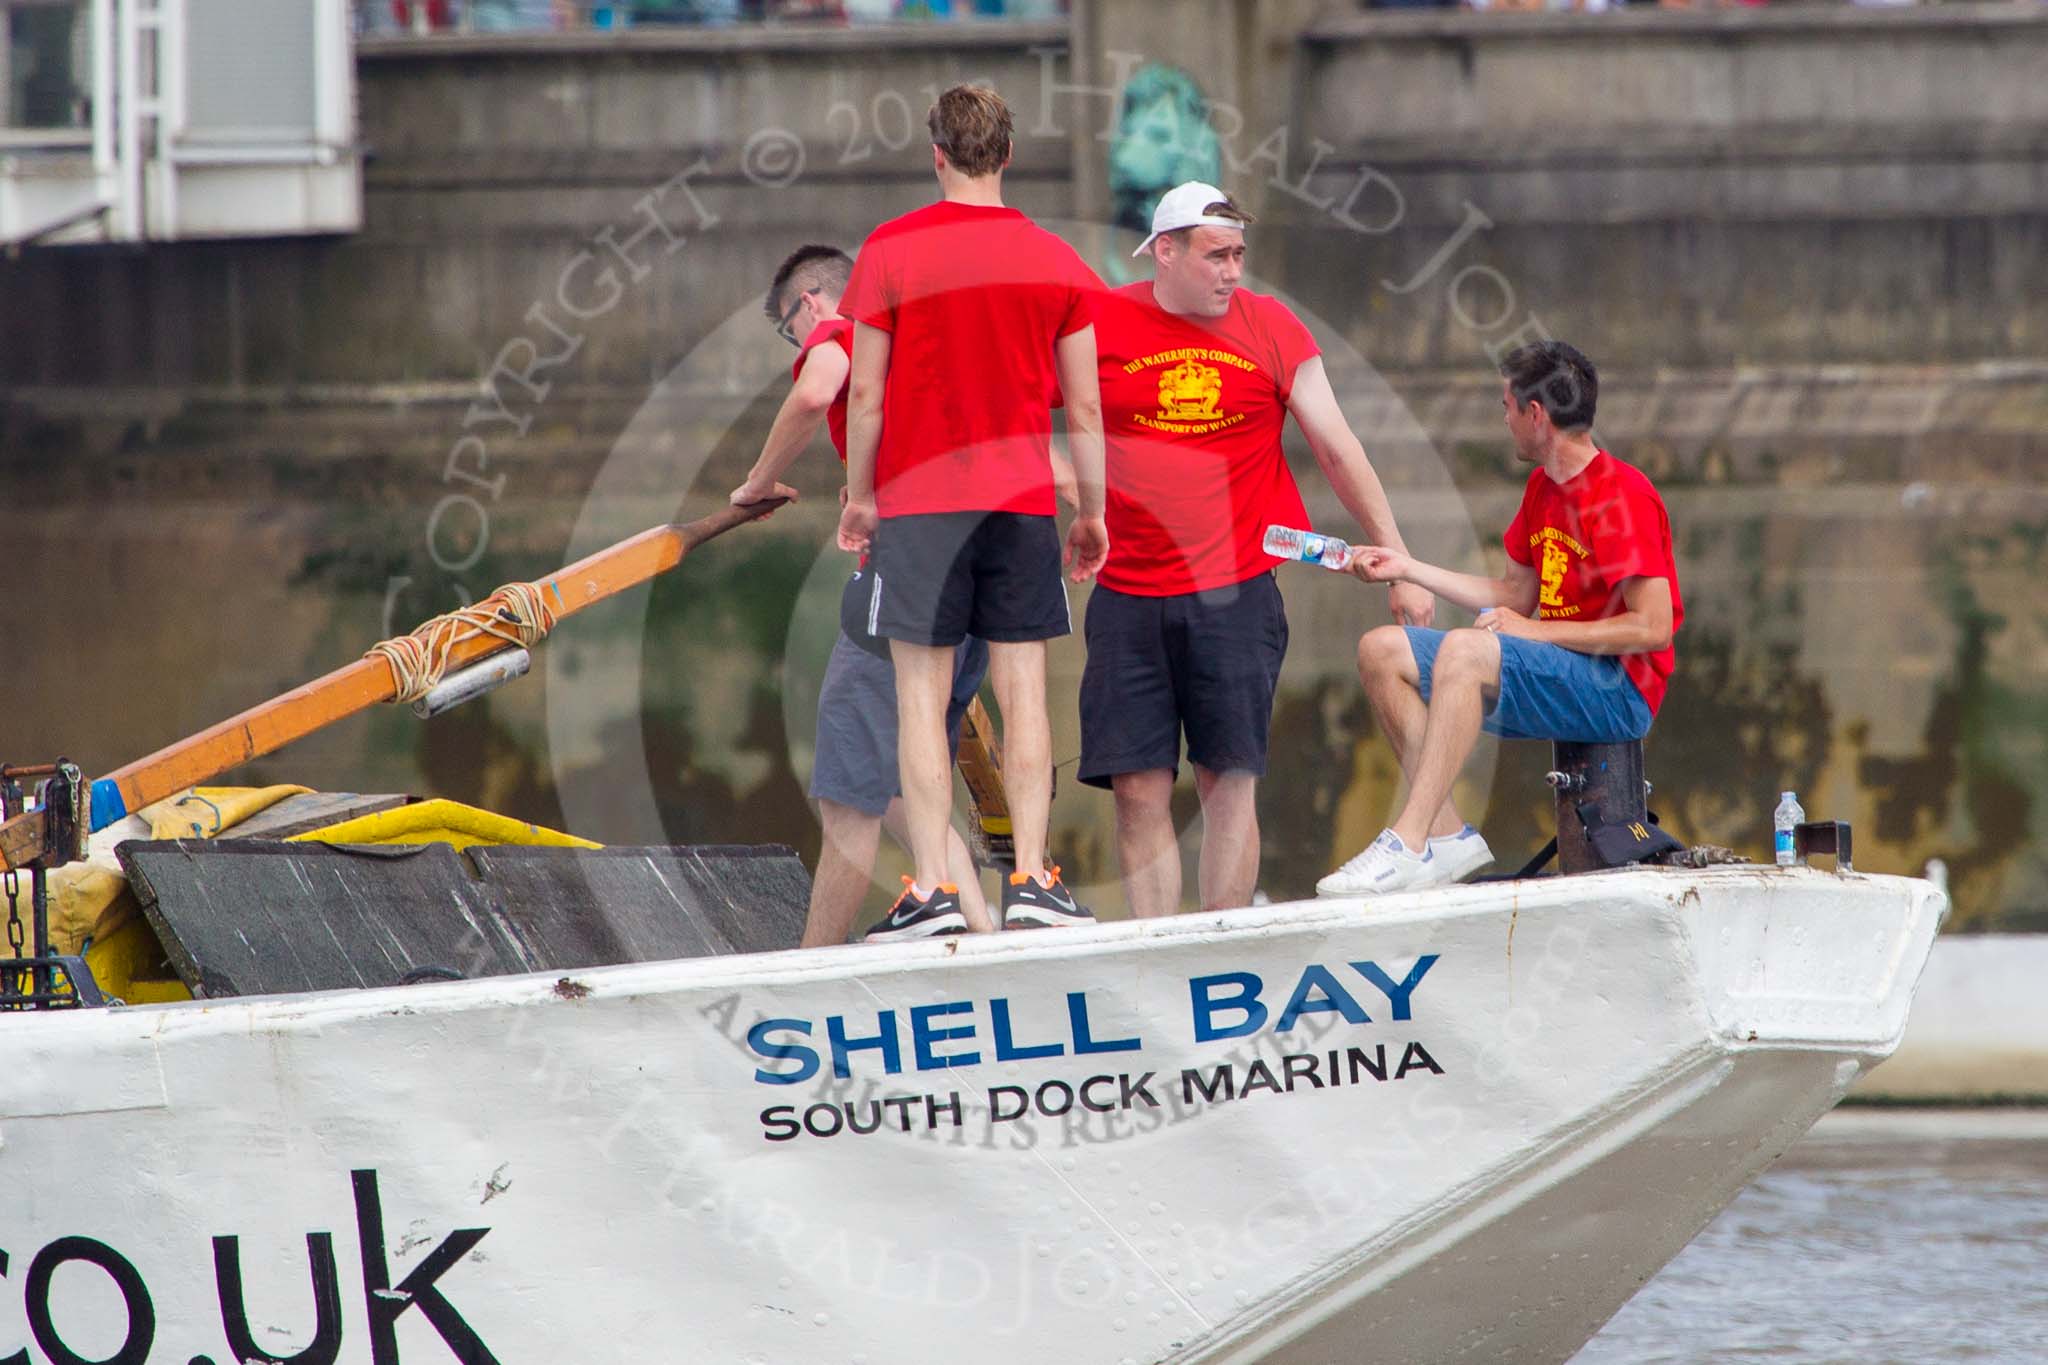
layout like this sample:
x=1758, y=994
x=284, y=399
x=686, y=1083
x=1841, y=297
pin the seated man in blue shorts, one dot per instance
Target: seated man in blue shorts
x=1573, y=643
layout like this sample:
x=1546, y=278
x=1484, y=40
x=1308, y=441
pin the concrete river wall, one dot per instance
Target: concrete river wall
x=1802, y=244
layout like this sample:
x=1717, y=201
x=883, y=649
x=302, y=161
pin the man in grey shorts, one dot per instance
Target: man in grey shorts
x=854, y=776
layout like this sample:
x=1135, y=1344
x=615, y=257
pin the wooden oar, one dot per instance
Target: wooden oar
x=988, y=801
x=363, y=684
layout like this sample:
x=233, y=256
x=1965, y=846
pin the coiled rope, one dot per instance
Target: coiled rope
x=517, y=613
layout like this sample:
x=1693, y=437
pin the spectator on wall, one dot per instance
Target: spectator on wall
x=420, y=16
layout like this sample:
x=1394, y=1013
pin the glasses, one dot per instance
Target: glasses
x=783, y=328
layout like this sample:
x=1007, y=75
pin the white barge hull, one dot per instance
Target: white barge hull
x=1461, y=1125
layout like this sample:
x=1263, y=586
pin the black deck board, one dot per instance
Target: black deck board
x=261, y=917
x=256, y=917
x=610, y=905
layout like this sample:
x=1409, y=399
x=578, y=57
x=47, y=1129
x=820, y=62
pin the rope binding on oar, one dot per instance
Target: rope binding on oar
x=517, y=613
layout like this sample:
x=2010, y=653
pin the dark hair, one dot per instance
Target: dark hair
x=1556, y=375
x=971, y=125
x=813, y=266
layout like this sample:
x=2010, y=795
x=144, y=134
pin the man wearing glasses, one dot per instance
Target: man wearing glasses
x=854, y=776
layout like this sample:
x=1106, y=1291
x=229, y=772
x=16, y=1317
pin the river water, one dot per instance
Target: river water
x=1885, y=1236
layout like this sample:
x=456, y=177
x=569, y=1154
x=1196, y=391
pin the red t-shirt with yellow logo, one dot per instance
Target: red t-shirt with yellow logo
x=1584, y=537
x=1192, y=410
x=974, y=298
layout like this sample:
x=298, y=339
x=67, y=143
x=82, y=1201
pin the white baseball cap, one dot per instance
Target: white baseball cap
x=1184, y=206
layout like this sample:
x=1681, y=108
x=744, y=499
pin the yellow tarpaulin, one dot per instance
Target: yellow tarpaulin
x=441, y=822
x=90, y=900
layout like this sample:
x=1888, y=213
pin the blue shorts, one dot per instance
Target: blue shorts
x=855, y=764
x=1550, y=692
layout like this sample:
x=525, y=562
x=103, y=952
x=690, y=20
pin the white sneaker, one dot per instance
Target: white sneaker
x=1459, y=855
x=1386, y=865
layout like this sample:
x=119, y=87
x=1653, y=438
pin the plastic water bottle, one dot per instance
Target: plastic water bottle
x=1783, y=819
x=1284, y=542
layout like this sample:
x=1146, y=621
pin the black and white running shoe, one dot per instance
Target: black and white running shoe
x=910, y=917
x=1031, y=904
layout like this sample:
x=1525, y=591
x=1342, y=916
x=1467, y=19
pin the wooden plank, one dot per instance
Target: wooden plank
x=367, y=682
x=988, y=802
x=309, y=811
x=21, y=839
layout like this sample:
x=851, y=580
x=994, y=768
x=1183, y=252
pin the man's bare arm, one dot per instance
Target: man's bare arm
x=870, y=374
x=796, y=422
x=1064, y=486
x=1081, y=392
x=1341, y=457
x=1340, y=454
x=1474, y=592
x=1644, y=627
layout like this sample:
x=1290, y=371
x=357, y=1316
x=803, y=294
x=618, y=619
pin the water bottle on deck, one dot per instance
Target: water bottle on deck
x=1284, y=542
x=1783, y=819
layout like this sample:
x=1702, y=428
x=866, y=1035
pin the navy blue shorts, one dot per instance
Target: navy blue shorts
x=1550, y=692
x=855, y=763
x=1202, y=662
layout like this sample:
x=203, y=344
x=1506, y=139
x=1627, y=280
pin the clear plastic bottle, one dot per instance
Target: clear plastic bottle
x=1284, y=542
x=1783, y=819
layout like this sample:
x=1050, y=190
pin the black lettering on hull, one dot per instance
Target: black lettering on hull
x=416, y=1290
x=134, y=1295
x=234, y=1311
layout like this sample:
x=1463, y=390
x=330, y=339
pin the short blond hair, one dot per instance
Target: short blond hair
x=971, y=125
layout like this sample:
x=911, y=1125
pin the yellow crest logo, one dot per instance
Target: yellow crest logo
x=1555, y=564
x=1190, y=392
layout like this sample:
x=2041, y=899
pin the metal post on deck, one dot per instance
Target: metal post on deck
x=1609, y=776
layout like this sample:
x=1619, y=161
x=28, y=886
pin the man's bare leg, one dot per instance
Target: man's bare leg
x=1147, y=851
x=1393, y=687
x=1230, y=837
x=960, y=868
x=1018, y=671
x=846, y=865
x=1467, y=666
x=924, y=686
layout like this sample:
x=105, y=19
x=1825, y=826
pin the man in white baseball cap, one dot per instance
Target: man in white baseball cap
x=1185, y=628
x=1193, y=204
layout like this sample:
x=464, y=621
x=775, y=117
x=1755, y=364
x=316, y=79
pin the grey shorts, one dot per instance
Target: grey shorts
x=856, y=754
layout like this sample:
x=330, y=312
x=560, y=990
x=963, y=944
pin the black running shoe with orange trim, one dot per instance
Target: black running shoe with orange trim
x=910, y=917
x=1031, y=904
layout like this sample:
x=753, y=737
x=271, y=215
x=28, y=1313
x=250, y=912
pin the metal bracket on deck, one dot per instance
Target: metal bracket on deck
x=53, y=830
x=42, y=836
x=47, y=983
x=1823, y=836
